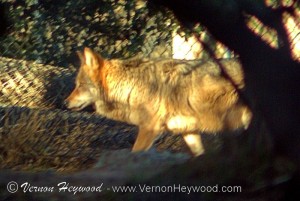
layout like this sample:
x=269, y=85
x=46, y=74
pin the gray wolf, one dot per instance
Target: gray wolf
x=159, y=95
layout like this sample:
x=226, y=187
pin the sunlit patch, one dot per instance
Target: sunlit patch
x=267, y=34
x=246, y=118
x=276, y=4
x=191, y=47
x=293, y=31
x=181, y=123
x=191, y=139
x=185, y=47
x=195, y=143
x=291, y=25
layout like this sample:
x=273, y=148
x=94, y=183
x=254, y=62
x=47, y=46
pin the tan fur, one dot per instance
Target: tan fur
x=184, y=97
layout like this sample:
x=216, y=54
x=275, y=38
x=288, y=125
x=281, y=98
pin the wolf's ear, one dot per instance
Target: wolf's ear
x=92, y=59
x=92, y=64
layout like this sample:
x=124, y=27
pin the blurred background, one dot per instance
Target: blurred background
x=50, y=32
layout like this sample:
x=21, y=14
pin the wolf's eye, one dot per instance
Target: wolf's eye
x=79, y=84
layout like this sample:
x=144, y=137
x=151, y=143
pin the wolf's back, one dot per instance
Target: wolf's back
x=161, y=88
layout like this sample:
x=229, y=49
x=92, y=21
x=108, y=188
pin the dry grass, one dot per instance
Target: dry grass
x=35, y=140
x=41, y=139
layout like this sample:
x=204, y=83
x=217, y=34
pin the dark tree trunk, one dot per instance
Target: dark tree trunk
x=271, y=75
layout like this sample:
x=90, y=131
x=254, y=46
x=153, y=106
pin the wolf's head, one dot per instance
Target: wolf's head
x=88, y=81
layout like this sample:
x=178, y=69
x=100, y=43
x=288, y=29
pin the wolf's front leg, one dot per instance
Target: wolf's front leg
x=144, y=140
x=194, y=142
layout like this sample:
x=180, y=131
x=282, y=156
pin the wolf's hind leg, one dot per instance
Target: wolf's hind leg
x=194, y=142
x=144, y=140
